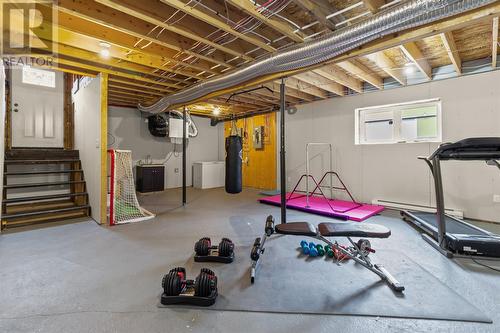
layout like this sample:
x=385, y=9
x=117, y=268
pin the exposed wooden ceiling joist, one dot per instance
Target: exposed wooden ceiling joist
x=196, y=13
x=116, y=23
x=362, y=73
x=452, y=51
x=279, y=26
x=388, y=66
x=412, y=51
x=150, y=18
x=322, y=83
x=334, y=74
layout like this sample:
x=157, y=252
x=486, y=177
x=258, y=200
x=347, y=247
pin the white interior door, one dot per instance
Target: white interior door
x=37, y=108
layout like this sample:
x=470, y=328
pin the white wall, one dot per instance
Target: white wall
x=127, y=129
x=471, y=108
x=87, y=103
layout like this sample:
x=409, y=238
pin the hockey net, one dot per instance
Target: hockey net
x=123, y=204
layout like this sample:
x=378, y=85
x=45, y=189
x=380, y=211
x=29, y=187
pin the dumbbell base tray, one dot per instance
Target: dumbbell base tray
x=186, y=299
x=211, y=258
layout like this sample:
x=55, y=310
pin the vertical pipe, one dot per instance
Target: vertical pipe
x=440, y=213
x=282, y=152
x=184, y=122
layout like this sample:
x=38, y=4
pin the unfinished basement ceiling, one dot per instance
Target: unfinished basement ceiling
x=158, y=47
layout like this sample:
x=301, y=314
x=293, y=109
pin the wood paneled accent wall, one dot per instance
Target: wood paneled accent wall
x=259, y=165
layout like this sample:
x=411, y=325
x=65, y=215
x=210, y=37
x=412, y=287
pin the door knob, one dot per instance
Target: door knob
x=15, y=104
x=16, y=110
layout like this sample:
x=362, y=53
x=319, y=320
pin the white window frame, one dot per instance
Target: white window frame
x=396, y=110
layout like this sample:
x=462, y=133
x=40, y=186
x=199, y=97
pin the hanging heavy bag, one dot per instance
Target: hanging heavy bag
x=233, y=164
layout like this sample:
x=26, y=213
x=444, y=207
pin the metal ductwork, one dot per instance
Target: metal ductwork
x=407, y=15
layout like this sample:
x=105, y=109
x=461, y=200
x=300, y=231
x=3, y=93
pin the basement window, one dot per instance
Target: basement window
x=39, y=77
x=411, y=122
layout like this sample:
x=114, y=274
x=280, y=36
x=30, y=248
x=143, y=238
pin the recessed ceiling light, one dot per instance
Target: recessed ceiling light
x=216, y=111
x=104, y=53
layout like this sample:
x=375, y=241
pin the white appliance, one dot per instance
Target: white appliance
x=209, y=174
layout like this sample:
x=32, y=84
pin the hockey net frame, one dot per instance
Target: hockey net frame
x=116, y=185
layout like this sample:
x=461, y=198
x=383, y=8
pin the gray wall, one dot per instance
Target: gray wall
x=128, y=130
x=471, y=107
x=87, y=103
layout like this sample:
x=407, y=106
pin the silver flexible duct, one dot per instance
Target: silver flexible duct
x=408, y=15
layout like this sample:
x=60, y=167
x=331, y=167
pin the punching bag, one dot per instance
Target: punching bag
x=233, y=164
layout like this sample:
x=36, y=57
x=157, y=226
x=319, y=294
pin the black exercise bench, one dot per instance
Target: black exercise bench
x=342, y=229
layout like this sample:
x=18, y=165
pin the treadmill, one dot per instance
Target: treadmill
x=451, y=236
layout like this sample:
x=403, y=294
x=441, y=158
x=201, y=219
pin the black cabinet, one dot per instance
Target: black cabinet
x=150, y=178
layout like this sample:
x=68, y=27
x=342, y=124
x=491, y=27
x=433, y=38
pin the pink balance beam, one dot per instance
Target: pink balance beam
x=346, y=210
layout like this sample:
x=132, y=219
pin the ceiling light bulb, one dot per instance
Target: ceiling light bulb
x=105, y=53
x=216, y=111
x=409, y=69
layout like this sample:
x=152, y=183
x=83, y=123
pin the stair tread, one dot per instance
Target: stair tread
x=44, y=184
x=43, y=212
x=31, y=161
x=44, y=197
x=44, y=172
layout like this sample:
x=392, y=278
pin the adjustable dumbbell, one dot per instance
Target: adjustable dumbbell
x=204, y=245
x=305, y=247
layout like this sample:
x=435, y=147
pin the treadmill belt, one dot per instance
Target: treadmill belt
x=452, y=225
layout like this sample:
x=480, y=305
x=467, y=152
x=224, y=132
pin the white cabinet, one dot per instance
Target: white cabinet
x=208, y=174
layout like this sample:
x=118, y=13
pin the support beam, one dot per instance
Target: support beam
x=412, y=51
x=322, y=83
x=184, y=149
x=279, y=26
x=363, y=73
x=282, y=151
x=129, y=10
x=202, y=16
x=451, y=49
x=494, y=49
x=374, y=5
x=333, y=73
x=103, y=80
x=387, y=65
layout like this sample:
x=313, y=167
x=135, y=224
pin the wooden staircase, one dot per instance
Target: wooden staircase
x=42, y=185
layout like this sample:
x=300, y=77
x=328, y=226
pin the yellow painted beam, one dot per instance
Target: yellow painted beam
x=279, y=26
x=156, y=22
x=200, y=15
x=103, y=79
x=452, y=51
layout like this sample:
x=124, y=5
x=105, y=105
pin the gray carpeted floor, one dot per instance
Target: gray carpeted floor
x=85, y=278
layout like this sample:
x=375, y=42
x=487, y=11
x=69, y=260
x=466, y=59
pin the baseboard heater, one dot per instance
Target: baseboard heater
x=413, y=207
